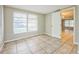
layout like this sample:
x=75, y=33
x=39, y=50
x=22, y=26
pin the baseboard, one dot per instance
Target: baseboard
x=75, y=43
x=47, y=34
x=28, y=37
x=51, y=36
x=21, y=38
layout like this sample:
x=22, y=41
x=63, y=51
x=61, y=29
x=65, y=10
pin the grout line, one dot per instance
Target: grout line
x=40, y=46
x=73, y=48
x=16, y=47
x=62, y=45
x=29, y=48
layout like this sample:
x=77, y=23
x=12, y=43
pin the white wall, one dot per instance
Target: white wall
x=9, y=25
x=77, y=27
x=48, y=24
x=52, y=26
x=1, y=28
x=56, y=25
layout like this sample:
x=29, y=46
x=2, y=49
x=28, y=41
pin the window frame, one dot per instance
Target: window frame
x=27, y=19
x=19, y=17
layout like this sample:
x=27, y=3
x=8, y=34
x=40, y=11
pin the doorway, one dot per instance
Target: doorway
x=68, y=25
x=63, y=24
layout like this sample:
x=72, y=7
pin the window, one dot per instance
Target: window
x=32, y=23
x=24, y=23
x=72, y=23
x=19, y=23
x=69, y=23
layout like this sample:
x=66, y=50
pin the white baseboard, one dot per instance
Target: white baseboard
x=21, y=38
x=51, y=36
x=47, y=34
x=75, y=43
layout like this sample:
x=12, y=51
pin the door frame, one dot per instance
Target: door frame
x=74, y=18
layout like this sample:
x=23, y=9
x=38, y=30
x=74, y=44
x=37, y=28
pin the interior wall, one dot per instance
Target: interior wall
x=56, y=25
x=48, y=24
x=51, y=24
x=9, y=35
x=1, y=28
x=77, y=26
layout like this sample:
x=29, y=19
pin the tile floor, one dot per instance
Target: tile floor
x=42, y=44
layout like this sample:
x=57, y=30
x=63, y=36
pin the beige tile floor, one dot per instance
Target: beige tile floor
x=42, y=44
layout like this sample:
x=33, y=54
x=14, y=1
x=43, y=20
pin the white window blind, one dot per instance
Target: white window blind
x=19, y=23
x=24, y=22
x=32, y=22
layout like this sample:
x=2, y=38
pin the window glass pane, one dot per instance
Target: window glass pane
x=72, y=23
x=32, y=23
x=67, y=23
x=19, y=23
x=19, y=30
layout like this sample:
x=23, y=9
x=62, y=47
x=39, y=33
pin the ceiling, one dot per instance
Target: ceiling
x=42, y=9
x=67, y=14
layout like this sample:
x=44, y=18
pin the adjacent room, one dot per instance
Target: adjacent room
x=39, y=29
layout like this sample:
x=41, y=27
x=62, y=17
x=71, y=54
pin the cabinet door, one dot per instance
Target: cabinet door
x=1, y=27
x=56, y=25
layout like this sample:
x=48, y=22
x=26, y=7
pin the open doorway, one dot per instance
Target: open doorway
x=63, y=24
x=67, y=25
